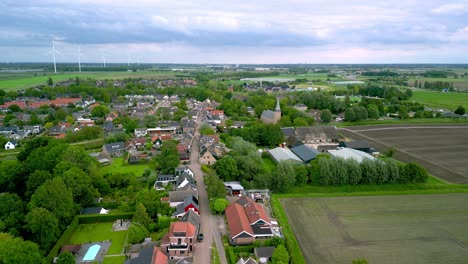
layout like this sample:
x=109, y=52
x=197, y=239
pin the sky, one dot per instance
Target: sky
x=235, y=32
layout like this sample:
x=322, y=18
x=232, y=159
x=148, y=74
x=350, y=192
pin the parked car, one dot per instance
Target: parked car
x=200, y=238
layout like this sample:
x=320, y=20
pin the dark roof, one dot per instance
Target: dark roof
x=166, y=177
x=191, y=200
x=145, y=256
x=268, y=114
x=358, y=144
x=288, y=131
x=179, y=196
x=305, y=153
x=264, y=252
x=191, y=217
x=114, y=147
x=261, y=229
x=91, y=210
x=312, y=133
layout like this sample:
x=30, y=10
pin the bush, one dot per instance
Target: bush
x=137, y=233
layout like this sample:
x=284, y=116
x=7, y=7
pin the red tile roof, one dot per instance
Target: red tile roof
x=182, y=227
x=159, y=257
x=237, y=220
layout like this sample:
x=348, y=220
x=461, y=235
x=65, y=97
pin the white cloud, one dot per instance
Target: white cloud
x=449, y=9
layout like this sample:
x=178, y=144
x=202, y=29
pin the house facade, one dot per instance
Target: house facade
x=180, y=240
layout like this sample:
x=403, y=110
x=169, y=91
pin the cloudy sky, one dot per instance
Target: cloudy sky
x=242, y=31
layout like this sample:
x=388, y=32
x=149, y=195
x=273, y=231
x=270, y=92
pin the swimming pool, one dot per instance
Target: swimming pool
x=92, y=252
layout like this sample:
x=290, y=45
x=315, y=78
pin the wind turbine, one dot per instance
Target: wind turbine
x=128, y=59
x=53, y=51
x=79, y=58
x=104, y=59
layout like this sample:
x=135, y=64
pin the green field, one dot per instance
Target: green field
x=381, y=229
x=100, y=232
x=119, y=165
x=13, y=82
x=444, y=100
x=114, y=260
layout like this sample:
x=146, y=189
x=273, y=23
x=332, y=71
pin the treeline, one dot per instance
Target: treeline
x=437, y=85
x=380, y=73
x=336, y=171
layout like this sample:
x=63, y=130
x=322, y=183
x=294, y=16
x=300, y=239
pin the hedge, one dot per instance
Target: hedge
x=231, y=257
x=82, y=219
x=63, y=239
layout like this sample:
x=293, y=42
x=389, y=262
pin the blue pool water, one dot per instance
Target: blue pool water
x=91, y=253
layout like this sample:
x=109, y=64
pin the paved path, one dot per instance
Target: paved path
x=209, y=226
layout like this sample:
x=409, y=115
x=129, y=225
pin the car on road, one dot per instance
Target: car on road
x=200, y=238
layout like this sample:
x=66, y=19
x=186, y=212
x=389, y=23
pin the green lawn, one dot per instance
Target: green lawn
x=404, y=121
x=269, y=164
x=119, y=165
x=21, y=81
x=100, y=232
x=448, y=100
x=114, y=260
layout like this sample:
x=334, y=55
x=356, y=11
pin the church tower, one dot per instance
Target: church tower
x=277, y=109
x=277, y=114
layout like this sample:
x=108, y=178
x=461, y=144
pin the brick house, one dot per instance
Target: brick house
x=180, y=240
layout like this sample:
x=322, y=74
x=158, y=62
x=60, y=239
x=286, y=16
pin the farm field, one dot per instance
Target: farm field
x=460, y=83
x=381, y=229
x=448, y=100
x=100, y=232
x=440, y=148
x=12, y=82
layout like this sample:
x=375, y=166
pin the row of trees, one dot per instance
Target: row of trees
x=340, y=172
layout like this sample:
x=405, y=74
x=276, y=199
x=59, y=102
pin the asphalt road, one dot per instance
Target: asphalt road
x=209, y=226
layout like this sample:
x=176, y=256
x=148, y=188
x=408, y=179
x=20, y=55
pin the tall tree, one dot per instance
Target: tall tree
x=16, y=250
x=226, y=168
x=326, y=116
x=43, y=226
x=350, y=116
x=66, y=258
x=54, y=196
x=141, y=216
x=284, y=177
x=460, y=110
x=169, y=158
x=280, y=255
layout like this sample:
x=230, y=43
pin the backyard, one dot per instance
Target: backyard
x=119, y=165
x=381, y=229
x=100, y=232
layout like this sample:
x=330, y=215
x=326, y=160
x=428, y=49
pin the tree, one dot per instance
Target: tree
x=66, y=257
x=43, y=226
x=460, y=110
x=389, y=152
x=373, y=111
x=50, y=82
x=361, y=112
x=100, y=111
x=80, y=184
x=359, y=261
x=16, y=250
x=14, y=108
x=280, y=255
x=36, y=179
x=54, y=196
x=326, y=116
x=206, y=129
x=300, y=122
x=403, y=112
x=141, y=216
x=169, y=158
x=11, y=212
x=302, y=176
x=412, y=172
x=226, y=168
x=284, y=177
x=219, y=205
x=350, y=116
x=137, y=233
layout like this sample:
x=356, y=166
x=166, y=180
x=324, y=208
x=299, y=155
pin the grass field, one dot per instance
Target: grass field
x=100, y=232
x=444, y=100
x=119, y=165
x=381, y=229
x=268, y=164
x=460, y=83
x=12, y=82
x=441, y=149
x=114, y=260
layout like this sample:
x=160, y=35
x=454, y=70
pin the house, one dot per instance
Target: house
x=180, y=240
x=272, y=117
x=191, y=217
x=207, y=157
x=263, y=254
x=149, y=255
x=140, y=132
x=190, y=203
x=163, y=180
x=305, y=153
x=349, y=153
x=301, y=107
x=361, y=145
x=177, y=197
x=281, y=154
x=316, y=134
x=287, y=131
x=94, y=210
x=246, y=261
x=12, y=144
x=181, y=169
x=114, y=149
x=247, y=221
x=234, y=188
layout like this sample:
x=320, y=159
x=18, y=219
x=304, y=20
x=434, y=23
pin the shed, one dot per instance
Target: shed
x=280, y=154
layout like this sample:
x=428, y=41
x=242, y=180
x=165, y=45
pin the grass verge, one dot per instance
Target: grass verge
x=214, y=255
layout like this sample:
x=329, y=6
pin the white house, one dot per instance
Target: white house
x=11, y=144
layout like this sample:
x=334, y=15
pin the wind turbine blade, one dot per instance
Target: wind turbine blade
x=56, y=51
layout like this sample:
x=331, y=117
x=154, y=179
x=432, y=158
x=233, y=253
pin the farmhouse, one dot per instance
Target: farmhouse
x=316, y=134
x=247, y=221
x=281, y=154
x=349, y=153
